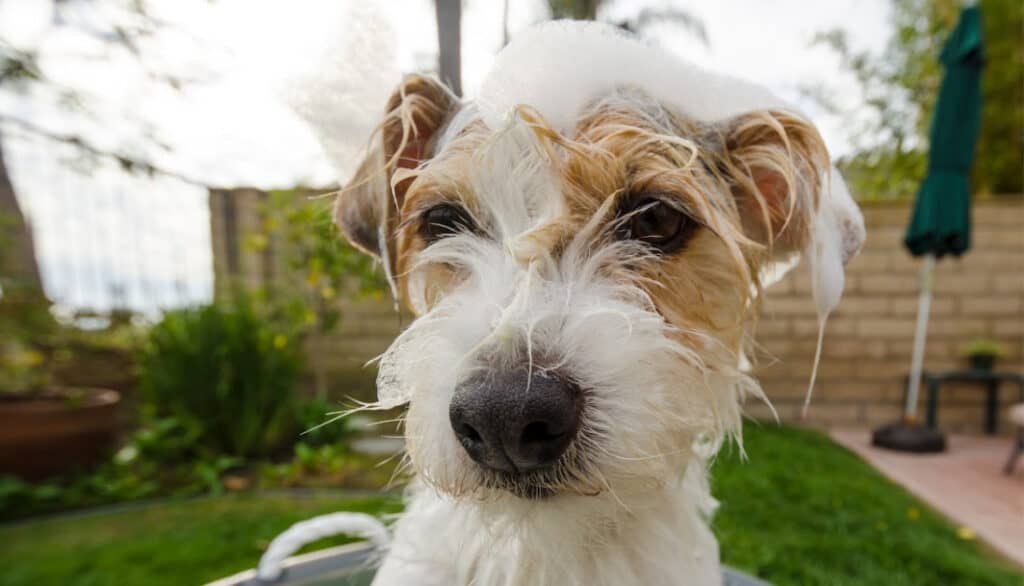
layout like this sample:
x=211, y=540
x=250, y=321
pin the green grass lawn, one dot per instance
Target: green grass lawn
x=801, y=510
x=180, y=543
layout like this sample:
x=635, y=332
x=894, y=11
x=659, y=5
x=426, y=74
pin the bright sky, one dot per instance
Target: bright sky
x=232, y=126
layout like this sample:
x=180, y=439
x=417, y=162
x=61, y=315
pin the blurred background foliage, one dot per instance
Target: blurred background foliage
x=230, y=395
x=900, y=87
x=321, y=266
x=321, y=269
x=226, y=375
x=227, y=398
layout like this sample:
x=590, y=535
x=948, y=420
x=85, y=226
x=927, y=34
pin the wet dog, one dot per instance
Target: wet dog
x=585, y=247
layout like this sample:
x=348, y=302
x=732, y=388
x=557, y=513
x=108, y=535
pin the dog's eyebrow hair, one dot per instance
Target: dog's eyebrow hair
x=476, y=227
x=410, y=219
x=414, y=217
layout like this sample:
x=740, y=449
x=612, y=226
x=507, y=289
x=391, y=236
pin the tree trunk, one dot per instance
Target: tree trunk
x=449, y=42
x=574, y=9
x=17, y=252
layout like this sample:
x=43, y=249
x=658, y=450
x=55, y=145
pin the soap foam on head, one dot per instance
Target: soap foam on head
x=557, y=67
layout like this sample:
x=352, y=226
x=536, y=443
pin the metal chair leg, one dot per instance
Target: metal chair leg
x=1011, y=464
x=933, y=402
x=992, y=408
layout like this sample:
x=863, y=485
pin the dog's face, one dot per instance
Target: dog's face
x=582, y=295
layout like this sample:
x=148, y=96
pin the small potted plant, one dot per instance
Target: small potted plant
x=982, y=353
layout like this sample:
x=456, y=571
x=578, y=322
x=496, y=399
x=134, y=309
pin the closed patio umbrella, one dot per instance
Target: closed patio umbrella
x=941, y=222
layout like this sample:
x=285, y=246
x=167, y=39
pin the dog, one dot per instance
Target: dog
x=585, y=247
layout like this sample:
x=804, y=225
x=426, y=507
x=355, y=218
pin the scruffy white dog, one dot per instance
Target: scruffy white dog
x=584, y=246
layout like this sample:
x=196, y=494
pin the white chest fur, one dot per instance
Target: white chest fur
x=660, y=537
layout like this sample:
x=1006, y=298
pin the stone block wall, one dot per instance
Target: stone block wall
x=869, y=339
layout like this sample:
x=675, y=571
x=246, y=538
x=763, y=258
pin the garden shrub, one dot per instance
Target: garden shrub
x=222, y=370
x=320, y=423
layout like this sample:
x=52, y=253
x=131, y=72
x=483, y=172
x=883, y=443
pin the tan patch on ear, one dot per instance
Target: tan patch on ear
x=777, y=161
x=359, y=207
x=415, y=112
x=774, y=188
x=367, y=207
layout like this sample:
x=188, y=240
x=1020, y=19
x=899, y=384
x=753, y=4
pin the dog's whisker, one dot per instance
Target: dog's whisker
x=641, y=458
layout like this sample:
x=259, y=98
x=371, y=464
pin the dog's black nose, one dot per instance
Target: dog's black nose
x=515, y=421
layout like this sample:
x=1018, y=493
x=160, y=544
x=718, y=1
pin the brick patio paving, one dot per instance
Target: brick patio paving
x=966, y=483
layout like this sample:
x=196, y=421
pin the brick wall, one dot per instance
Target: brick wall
x=868, y=341
x=366, y=330
x=869, y=338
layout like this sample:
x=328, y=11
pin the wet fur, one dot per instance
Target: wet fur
x=653, y=340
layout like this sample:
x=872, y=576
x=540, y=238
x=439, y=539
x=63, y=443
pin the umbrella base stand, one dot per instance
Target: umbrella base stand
x=909, y=437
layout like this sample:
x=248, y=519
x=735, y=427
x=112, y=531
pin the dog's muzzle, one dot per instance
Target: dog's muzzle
x=515, y=421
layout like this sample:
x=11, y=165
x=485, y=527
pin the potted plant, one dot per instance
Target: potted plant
x=982, y=353
x=46, y=429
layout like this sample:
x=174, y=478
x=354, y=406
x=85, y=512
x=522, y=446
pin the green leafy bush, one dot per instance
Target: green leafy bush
x=320, y=265
x=315, y=269
x=228, y=374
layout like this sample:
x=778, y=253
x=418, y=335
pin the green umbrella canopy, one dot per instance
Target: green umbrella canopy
x=941, y=223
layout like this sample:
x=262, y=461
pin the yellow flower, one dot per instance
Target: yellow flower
x=257, y=242
x=327, y=292
x=965, y=533
x=313, y=275
x=913, y=513
x=280, y=341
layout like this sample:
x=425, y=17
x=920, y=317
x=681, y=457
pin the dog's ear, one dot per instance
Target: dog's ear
x=777, y=163
x=366, y=209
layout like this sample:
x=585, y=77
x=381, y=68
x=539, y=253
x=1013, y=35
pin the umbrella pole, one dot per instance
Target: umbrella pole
x=920, y=333
x=907, y=435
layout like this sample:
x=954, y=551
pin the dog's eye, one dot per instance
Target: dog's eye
x=444, y=220
x=652, y=221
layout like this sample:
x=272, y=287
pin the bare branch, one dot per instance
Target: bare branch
x=127, y=162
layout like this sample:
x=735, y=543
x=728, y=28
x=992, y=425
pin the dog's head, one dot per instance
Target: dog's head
x=583, y=291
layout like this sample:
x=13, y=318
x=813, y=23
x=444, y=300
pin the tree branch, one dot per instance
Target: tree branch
x=127, y=162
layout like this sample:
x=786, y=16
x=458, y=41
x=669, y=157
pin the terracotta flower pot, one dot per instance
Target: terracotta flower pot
x=56, y=431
